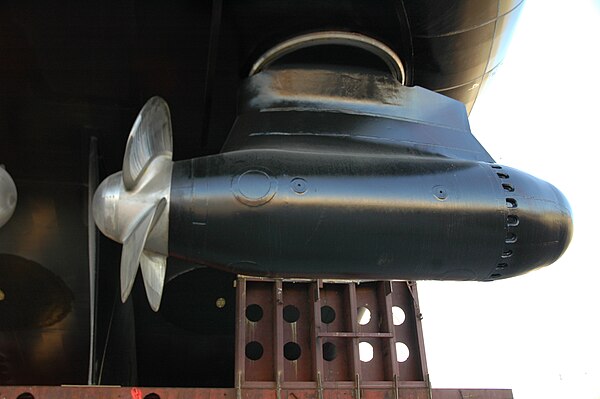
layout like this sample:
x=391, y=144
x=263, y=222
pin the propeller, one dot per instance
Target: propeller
x=132, y=206
x=8, y=196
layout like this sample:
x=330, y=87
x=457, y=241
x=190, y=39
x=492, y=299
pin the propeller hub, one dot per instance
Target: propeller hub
x=105, y=206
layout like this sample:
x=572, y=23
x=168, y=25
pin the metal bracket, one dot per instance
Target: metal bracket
x=357, y=386
x=367, y=43
x=319, y=386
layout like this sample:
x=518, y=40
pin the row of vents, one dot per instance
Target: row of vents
x=512, y=221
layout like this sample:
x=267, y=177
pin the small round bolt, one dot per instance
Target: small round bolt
x=299, y=185
x=2, y=295
x=440, y=192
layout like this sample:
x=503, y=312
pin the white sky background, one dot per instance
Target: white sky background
x=538, y=334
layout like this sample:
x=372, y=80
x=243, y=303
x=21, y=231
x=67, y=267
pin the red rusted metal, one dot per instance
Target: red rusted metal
x=309, y=334
x=102, y=392
x=472, y=394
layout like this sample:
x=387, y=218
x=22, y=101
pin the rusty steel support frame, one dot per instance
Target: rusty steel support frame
x=300, y=334
x=102, y=392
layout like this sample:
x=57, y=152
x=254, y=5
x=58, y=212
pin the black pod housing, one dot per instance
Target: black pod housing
x=347, y=174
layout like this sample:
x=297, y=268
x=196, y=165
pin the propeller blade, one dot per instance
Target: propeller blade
x=154, y=267
x=150, y=137
x=134, y=245
x=92, y=251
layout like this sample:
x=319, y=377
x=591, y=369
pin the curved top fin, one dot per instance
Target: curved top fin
x=349, y=110
x=150, y=137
